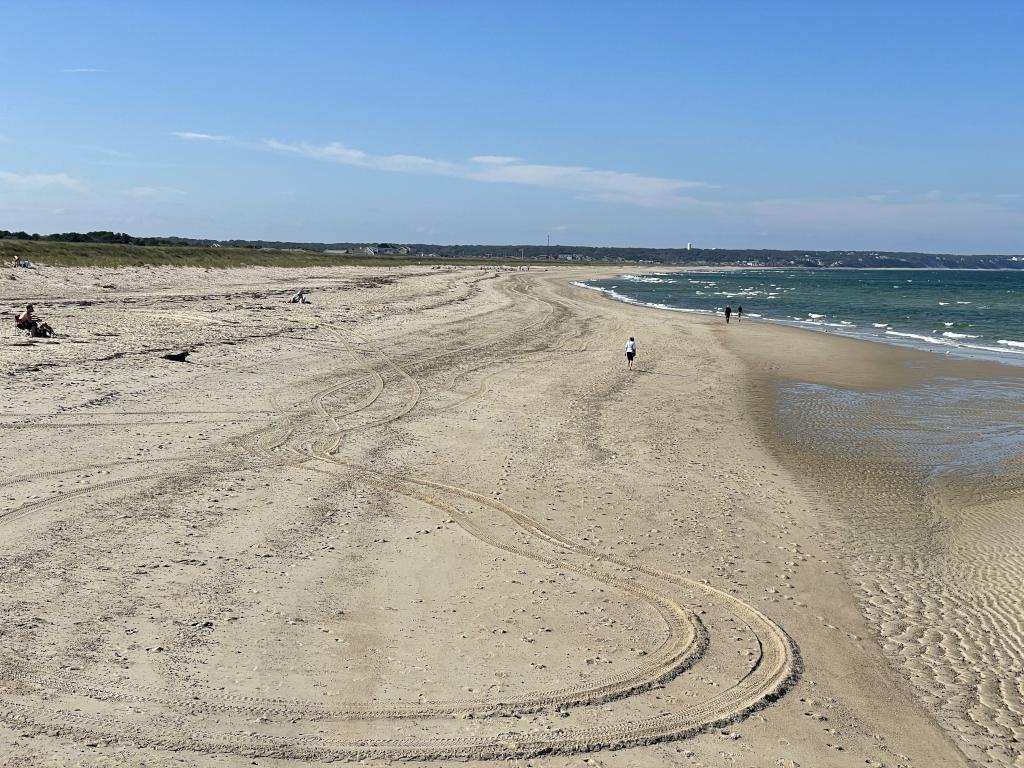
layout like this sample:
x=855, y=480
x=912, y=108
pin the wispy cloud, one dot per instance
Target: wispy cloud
x=896, y=218
x=612, y=186
x=193, y=136
x=40, y=180
x=495, y=159
x=149, y=192
x=82, y=71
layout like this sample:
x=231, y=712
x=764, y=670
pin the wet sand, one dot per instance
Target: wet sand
x=919, y=459
x=431, y=517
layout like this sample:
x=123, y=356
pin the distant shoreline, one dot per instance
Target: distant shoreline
x=102, y=248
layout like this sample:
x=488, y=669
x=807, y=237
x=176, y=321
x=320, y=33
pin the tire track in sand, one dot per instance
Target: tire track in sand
x=766, y=678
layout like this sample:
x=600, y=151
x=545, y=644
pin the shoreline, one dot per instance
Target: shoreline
x=895, y=442
x=907, y=524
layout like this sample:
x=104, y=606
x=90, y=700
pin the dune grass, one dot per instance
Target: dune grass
x=59, y=254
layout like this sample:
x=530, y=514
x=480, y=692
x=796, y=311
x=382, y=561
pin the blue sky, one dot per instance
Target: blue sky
x=867, y=125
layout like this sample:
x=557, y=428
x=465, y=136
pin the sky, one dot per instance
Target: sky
x=817, y=125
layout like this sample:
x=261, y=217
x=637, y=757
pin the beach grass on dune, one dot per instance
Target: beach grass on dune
x=61, y=254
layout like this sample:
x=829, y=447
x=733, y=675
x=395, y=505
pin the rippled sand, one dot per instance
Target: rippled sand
x=921, y=461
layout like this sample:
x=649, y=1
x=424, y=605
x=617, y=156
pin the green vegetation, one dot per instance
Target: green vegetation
x=96, y=237
x=114, y=249
x=75, y=254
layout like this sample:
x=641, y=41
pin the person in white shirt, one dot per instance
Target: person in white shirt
x=630, y=352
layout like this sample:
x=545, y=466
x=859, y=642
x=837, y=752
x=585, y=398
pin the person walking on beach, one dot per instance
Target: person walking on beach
x=739, y=314
x=728, y=313
x=630, y=353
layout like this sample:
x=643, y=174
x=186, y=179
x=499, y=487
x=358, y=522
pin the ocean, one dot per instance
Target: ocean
x=974, y=313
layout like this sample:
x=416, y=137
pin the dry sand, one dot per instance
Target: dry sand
x=431, y=517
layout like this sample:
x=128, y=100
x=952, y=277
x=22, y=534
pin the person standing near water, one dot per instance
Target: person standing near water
x=739, y=314
x=728, y=313
x=630, y=353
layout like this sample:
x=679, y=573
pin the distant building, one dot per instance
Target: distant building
x=391, y=248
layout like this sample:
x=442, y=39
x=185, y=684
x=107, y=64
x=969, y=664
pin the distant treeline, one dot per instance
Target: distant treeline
x=120, y=238
x=688, y=256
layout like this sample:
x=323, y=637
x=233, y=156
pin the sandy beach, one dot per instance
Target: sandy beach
x=431, y=517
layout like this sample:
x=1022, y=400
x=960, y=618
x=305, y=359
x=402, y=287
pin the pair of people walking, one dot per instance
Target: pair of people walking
x=739, y=314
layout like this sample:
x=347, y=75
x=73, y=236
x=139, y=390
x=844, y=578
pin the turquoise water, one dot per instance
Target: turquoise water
x=964, y=312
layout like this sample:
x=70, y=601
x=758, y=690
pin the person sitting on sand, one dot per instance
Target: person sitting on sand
x=25, y=321
x=299, y=297
x=630, y=353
